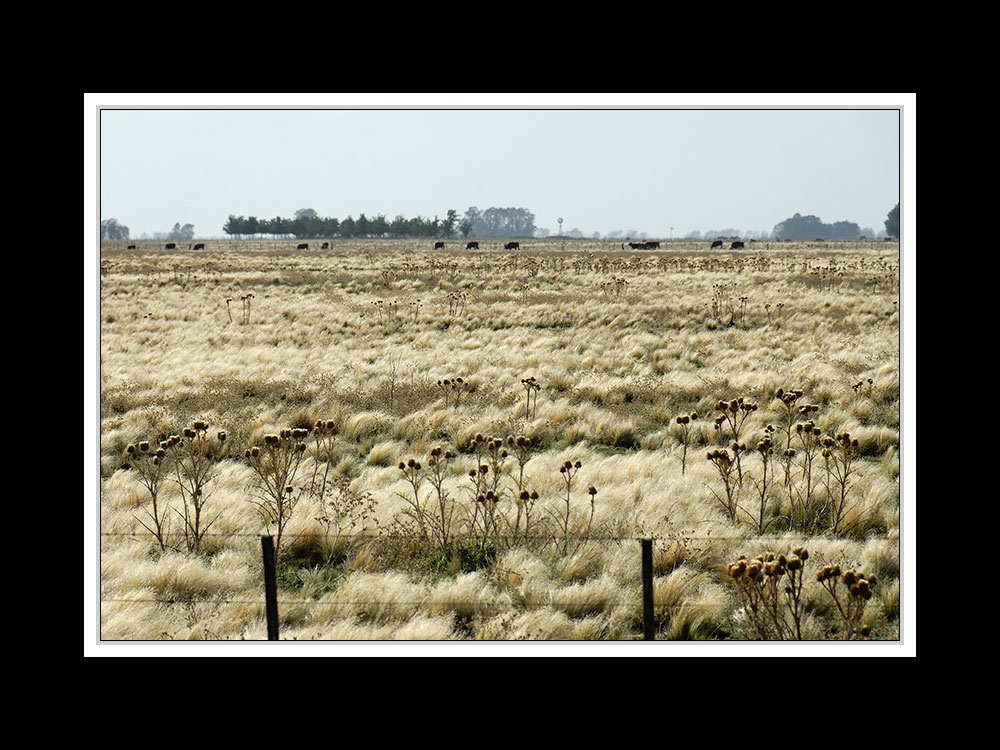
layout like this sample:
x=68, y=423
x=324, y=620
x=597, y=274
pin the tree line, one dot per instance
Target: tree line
x=809, y=227
x=306, y=223
x=492, y=222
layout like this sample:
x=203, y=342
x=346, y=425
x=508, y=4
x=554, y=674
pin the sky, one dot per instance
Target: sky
x=602, y=164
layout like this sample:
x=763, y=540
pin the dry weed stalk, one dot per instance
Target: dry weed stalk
x=858, y=387
x=735, y=414
x=839, y=455
x=804, y=512
x=457, y=302
x=726, y=467
x=437, y=525
x=615, y=288
x=152, y=469
x=857, y=590
x=685, y=420
x=452, y=385
x=343, y=509
x=770, y=590
x=194, y=457
x=569, y=470
x=324, y=434
x=276, y=464
x=788, y=399
x=765, y=450
x=412, y=473
x=245, y=299
x=530, y=386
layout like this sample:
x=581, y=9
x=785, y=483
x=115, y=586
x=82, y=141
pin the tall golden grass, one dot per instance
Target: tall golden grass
x=589, y=352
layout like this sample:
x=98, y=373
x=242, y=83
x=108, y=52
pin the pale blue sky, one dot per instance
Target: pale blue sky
x=601, y=170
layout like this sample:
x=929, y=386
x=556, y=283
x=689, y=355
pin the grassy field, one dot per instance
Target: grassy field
x=486, y=436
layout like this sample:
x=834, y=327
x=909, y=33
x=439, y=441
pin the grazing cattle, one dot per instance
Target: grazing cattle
x=439, y=246
x=636, y=245
x=131, y=247
x=736, y=246
x=651, y=245
x=472, y=246
x=303, y=246
x=715, y=244
x=200, y=246
x=325, y=246
x=512, y=246
x=169, y=246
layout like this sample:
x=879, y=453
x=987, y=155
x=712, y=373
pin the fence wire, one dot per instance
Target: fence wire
x=351, y=605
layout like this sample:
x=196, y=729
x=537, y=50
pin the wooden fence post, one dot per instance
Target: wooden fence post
x=270, y=588
x=647, y=589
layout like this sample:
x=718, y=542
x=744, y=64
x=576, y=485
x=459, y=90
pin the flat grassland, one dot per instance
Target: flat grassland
x=520, y=503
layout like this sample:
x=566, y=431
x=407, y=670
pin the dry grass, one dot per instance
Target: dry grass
x=363, y=334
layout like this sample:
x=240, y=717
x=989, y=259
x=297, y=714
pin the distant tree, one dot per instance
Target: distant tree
x=844, y=230
x=892, y=222
x=234, y=225
x=810, y=227
x=306, y=226
x=472, y=218
x=465, y=227
x=799, y=227
x=179, y=232
x=347, y=227
x=306, y=213
x=278, y=227
x=502, y=222
x=448, y=224
x=379, y=227
x=112, y=230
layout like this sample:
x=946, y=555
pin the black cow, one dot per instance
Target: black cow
x=439, y=246
x=652, y=245
x=472, y=246
x=169, y=246
x=736, y=246
x=636, y=245
x=200, y=246
x=512, y=246
x=715, y=244
x=131, y=247
x=325, y=246
x=303, y=246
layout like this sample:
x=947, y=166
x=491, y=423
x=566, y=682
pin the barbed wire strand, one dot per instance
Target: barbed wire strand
x=516, y=537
